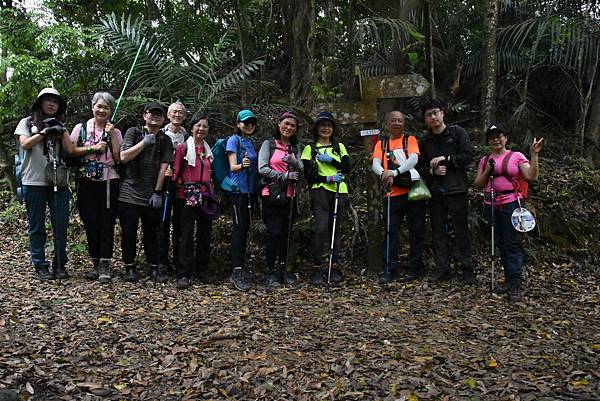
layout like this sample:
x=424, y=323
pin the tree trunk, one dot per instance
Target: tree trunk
x=592, y=148
x=6, y=162
x=428, y=28
x=239, y=26
x=488, y=92
x=299, y=17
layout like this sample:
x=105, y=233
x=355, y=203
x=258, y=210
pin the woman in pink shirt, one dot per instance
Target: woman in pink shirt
x=506, y=200
x=98, y=143
x=280, y=167
x=192, y=179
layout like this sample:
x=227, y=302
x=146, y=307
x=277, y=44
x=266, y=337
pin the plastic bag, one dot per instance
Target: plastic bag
x=419, y=191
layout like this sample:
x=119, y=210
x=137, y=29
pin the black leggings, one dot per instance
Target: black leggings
x=129, y=216
x=98, y=221
x=322, y=204
x=240, y=216
x=194, y=250
x=277, y=220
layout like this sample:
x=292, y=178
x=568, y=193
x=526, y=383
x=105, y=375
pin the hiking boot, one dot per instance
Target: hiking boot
x=440, y=276
x=60, y=272
x=131, y=275
x=412, y=274
x=183, y=283
x=287, y=277
x=514, y=294
x=336, y=276
x=238, y=280
x=468, y=276
x=158, y=273
x=104, y=271
x=316, y=278
x=43, y=273
x=93, y=274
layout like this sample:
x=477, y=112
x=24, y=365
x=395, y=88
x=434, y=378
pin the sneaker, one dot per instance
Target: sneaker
x=287, y=277
x=183, y=283
x=43, y=273
x=60, y=273
x=273, y=282
x=158, y=274
x=504, y=288
x=104, y=271
x=93, y=274
x=238, y=280
x=440, y=276
x=386, y=278
x=131, y=275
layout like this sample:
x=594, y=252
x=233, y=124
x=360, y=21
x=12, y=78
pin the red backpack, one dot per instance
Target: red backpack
x=520, y=184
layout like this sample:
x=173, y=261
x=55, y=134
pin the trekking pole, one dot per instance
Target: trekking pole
x=56, y=245
x=335, y=210
x=127, y=80
x=290, y=214
x=387, y=234
x=161, y=235
x=493, y=223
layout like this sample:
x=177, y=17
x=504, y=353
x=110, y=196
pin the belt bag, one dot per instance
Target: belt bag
x=278, y=193
x=193, y=194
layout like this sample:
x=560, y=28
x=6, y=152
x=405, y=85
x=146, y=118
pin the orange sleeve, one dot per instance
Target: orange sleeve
x=377, y=152
x=413, y=146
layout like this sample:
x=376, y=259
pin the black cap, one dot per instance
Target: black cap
x=155, y=106
x=495, y=127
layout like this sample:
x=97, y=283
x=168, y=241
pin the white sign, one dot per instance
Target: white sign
x=369, y=132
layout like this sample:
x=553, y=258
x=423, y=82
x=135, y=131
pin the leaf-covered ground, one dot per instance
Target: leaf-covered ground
x=85, y=341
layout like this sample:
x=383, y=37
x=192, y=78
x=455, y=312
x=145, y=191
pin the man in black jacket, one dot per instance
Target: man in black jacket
x=445, y=155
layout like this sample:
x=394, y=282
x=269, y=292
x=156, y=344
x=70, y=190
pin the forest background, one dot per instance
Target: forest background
x=531, y=64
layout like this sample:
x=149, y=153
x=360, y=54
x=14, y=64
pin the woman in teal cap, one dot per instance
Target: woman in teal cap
x=243, y=166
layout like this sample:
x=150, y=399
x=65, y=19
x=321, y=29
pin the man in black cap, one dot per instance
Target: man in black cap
x=146, y=153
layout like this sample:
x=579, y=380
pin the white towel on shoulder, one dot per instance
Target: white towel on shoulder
x=190, y=156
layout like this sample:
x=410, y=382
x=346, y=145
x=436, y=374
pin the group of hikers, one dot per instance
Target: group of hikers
x=166, y=176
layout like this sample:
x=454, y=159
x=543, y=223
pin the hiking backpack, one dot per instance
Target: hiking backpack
x=19, y=156
x=220, y=165
x=519, y=184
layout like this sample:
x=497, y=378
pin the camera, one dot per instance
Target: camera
x=93, y=170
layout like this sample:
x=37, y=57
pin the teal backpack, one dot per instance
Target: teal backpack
x=220, y=164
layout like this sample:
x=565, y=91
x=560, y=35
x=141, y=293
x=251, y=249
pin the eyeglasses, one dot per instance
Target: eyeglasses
x=433, y=113
x=156, y=113
x=250, y=121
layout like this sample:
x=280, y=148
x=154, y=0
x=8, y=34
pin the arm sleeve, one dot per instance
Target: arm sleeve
x=299, y=164
x=264, y=155
x=464, y=156
x=344, y=164
x=376, y=166
x=409, y=164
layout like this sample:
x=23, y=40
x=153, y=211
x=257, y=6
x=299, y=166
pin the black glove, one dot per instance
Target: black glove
x=53, y=127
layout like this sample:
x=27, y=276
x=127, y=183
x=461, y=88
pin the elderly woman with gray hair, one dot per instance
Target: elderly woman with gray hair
x=98, y=143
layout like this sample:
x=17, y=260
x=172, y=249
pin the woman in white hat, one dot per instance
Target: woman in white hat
x=45, y=142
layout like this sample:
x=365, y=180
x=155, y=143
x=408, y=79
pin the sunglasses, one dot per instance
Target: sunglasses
x=249, y=121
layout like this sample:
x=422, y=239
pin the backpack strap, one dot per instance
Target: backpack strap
x=504, y=168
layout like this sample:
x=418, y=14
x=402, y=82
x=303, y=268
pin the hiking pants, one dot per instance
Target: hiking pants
x=129, y=216
x=457, y=208
x=322, y=202
x=277, y=220
x=172, y=216
x=240, y=219
x=507, y=239
x=415, y=219
x=194, y=248
x=37, y=198
x=98, y=221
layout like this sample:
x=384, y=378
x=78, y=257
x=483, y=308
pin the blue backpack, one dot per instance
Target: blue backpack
x=220, y=165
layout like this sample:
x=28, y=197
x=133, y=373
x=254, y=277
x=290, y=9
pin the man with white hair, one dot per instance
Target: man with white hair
x=176, y=114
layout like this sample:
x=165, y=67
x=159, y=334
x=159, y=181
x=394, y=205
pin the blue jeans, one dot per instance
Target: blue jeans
x=508, y=240
x=36, y=200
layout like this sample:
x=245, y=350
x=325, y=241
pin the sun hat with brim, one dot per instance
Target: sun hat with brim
x=244, y=115
x=62, y=104
x=494, y=127
x=155, y=106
